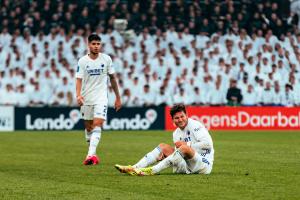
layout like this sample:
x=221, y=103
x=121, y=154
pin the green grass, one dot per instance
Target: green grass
x=48, y=165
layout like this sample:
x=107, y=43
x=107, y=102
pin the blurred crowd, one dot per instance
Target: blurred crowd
x=194, y=52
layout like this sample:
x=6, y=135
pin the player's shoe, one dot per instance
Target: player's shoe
x=91, y=160
x=126, y=169
x=148, y=171
x=95, y=160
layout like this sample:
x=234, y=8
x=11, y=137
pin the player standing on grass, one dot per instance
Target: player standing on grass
x=193, y=152
x=91, y=91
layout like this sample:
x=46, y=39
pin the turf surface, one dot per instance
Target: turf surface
x=48, y=165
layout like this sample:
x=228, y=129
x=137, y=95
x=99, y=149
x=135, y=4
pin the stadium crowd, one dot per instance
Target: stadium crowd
x=196, y=52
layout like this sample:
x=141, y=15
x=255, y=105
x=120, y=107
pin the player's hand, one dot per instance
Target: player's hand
x=179, y=143
x=118, y=104
x=80, y=100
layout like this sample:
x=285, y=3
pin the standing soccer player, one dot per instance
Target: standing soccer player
x=92, y=75
x=193, y=152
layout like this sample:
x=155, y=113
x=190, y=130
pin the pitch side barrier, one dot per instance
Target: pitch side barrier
x=243, y=118
x=7, y=119
x=68, y=118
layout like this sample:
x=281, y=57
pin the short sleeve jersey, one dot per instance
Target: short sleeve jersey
x=94, y=74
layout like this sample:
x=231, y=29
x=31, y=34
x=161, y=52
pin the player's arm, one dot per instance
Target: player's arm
x=78, y=91
x=79, y=77
x=176, y=140
x=114, y=85
x=202, y=141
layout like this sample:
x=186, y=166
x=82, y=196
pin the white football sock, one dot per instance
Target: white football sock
x=172, y=160
x=87, y=135
x=94, y=141
x=149, y=158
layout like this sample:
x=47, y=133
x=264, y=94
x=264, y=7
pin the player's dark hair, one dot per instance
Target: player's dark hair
x=177, y=108
x=94, y=37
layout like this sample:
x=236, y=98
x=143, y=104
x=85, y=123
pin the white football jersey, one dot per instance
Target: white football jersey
x=196, y=133
x=94, y=75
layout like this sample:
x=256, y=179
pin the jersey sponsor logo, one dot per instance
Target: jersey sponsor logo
x=62, y=122
x=95, y=72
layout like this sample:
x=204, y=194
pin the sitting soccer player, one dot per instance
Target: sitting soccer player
x=193, y=152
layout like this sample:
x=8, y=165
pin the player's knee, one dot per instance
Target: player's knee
x=98, y=123
x=187, y=151
x=89, y=128
x=166, y=149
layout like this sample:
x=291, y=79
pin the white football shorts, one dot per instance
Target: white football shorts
x=197, y=165
x=89, y=112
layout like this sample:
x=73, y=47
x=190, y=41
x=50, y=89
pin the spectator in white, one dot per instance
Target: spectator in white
x=240, y=72
x=162, y=99
x=155, y=82
x=59, y=99
x=181, y=97
x=20, y=77
x=64, y=87
x=198, y=98
x=16, y=58
x=5, y=37
x=2, y=83
x=217, y=96
x=249, y=97
x=289, y=98
x=37, y=96
x=22, y=97
x=267, y=95
x=296, y=88
x=147, y=97
x=8, y=96
x=243, y=84
x=258, y=39
x=278, y=96
x=265, y=66
x=3, y=57
x=127, y=100
x=10, y=78
x=226, y=76
x=135, y=87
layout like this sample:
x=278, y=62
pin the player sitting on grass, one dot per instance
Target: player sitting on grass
x=193, y=152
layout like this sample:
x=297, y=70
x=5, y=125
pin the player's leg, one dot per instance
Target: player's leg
x=195, y=162
x=88, y=124
x=95, y=139
x=176, y=160
x=94, y=118
x=158, y=153
x=87, y=115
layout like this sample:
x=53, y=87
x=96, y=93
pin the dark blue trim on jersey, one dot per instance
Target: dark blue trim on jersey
x=94, y=74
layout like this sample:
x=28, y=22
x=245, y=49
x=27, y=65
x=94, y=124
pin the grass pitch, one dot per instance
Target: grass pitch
x=48, y=165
